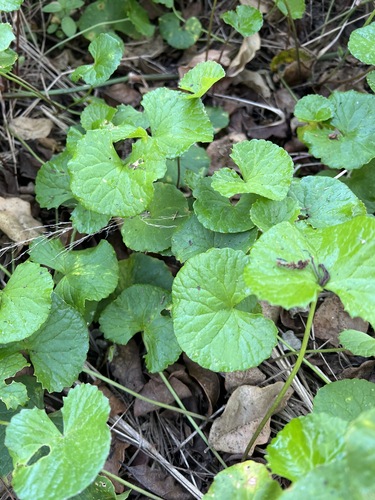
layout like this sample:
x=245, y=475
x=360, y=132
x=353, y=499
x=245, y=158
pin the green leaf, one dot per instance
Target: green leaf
x=324, y=201
x=90, y=274
x=167, y=3
x=217, y=213
x=244, y=481
x=68, y=25
x=219, y=118
x=138, y=308
x=97, y=115
x=105, y=184
x=176, y=121
x=273, y=272
x=360, y=442
x=58, y=349
x=107, y=51
x=25, y=302
x=9, y=5
x=345, y=399
x=74, y=458
x=313, y=108
x=179, y=37
x=266, y=169
x=201, y=78
x=282, y=272
x=7, y=58
x=245, y=19
x=371, y=80
x=305, y=443
x=346, y=140
x=128, y=115
x=52, y=185
x=361, y=182
x=87, y=221
x=191, y=238
x=358, y=343
x=101, y=489
x=52, y=8
x=362, y=44
x=152, y=231
x=267, y=213
x=6, y=36
x=293, y=8
x=139, y=18
x=195, y=159
x=214, y=324
x=13, y=394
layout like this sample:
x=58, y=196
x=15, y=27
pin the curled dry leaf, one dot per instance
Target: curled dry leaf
x=331, y=319
x=208, y=381
x=252, y=376
x=126, y=366
x=245, y=409
x=115, y=460
x=31, y=128
x=16, y=220
x=219, y=150
x=248, y=49
x=254, y=81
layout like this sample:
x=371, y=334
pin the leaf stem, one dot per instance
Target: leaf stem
x=288, y=381
x=130, y=485
x=4, y=422
x=5, y=271
x=193, y=423
x=139, y=396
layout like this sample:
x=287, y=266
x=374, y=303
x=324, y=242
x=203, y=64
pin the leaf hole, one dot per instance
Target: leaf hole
x=43, y=451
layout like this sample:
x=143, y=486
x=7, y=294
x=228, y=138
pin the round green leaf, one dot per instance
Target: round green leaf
x=25, y=302
x=201, y=78
x=213, y=322
x=305, y=443
x=143, y=269
x=191, y=238
x=266, y=169
x=267, y=213
x=280, y=269
x=13, y=394
x=244, y=481
x=219, y=118
x=9, y=5
x=345, y=399
x=325, y=201
x=152, y=231
x=68, y=26
x=179, y=37
x=101, y=489
x=217, y=213
x=313, y=108
x=6, y=35
x=107, y=50
x=86, y=221
x=105, y=184
x=362, y=44
x=74, y=458
x=245, y=19
x=52, y=186
x=292, y=8
x=346, y=141
x=176, y=121
x=58, y=349
x=359, y=343
x=195, y=159
x=97, y=115
x=7, y=58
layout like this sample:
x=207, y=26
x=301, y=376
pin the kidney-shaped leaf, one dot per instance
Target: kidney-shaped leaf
x=104, y=183
x=9, y=5
x=313, y=108
x=213, y=322
x=74, y=457
x=305, y=443
x=12, y=394
x=359, y=343
x=266, y=169
x=245, y=19
x=25, y=302
x=201, y=78
x=179, y=37
x=362, y=44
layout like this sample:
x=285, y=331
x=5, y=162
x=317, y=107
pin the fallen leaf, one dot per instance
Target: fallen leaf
x=331, y=319
x=115, y=460
x=31, y=128
x=118, y=407
x=245, y=409
x=252, y=376
x=126, y=366
x=158, y=482
x=219, y=150
x=365, y=370
x=16, y=220
x=207, y=380
x=254, y=81
x=250, y=46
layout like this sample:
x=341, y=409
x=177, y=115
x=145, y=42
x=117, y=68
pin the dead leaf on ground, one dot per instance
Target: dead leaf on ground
x=16, y=220
x=115, y=460
x=331, y=319
x=252, y=376
x=263, y=5
x=245, y=409
x=126, y=366
x=207, y=380
x=254, y=81
x=213, y=55
x=250, y=46
x=156, y=389
x=31, y=128
x=158, y=482
x=269, y=311
x=117, y=406
x=219, y=150
x=365, y=370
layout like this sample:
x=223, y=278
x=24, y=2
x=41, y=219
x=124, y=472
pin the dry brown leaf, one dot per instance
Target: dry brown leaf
x=156, y=389
x=158, y=482
x=126, y=366
x=219, y=150
x=208, y=381
x=250, y=46
x=252, y=376
x=365, y=370
x=117, y=406
x=254, y=81
x=331, y=319
x=263, y=5
x=269, y=311
x=245, y=409
x=115, y=460
x=31, y=128
x=219, y=56
x=16, y=220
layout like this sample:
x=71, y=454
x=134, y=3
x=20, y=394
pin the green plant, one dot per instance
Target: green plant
x=242, y=235
x=62, y=22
